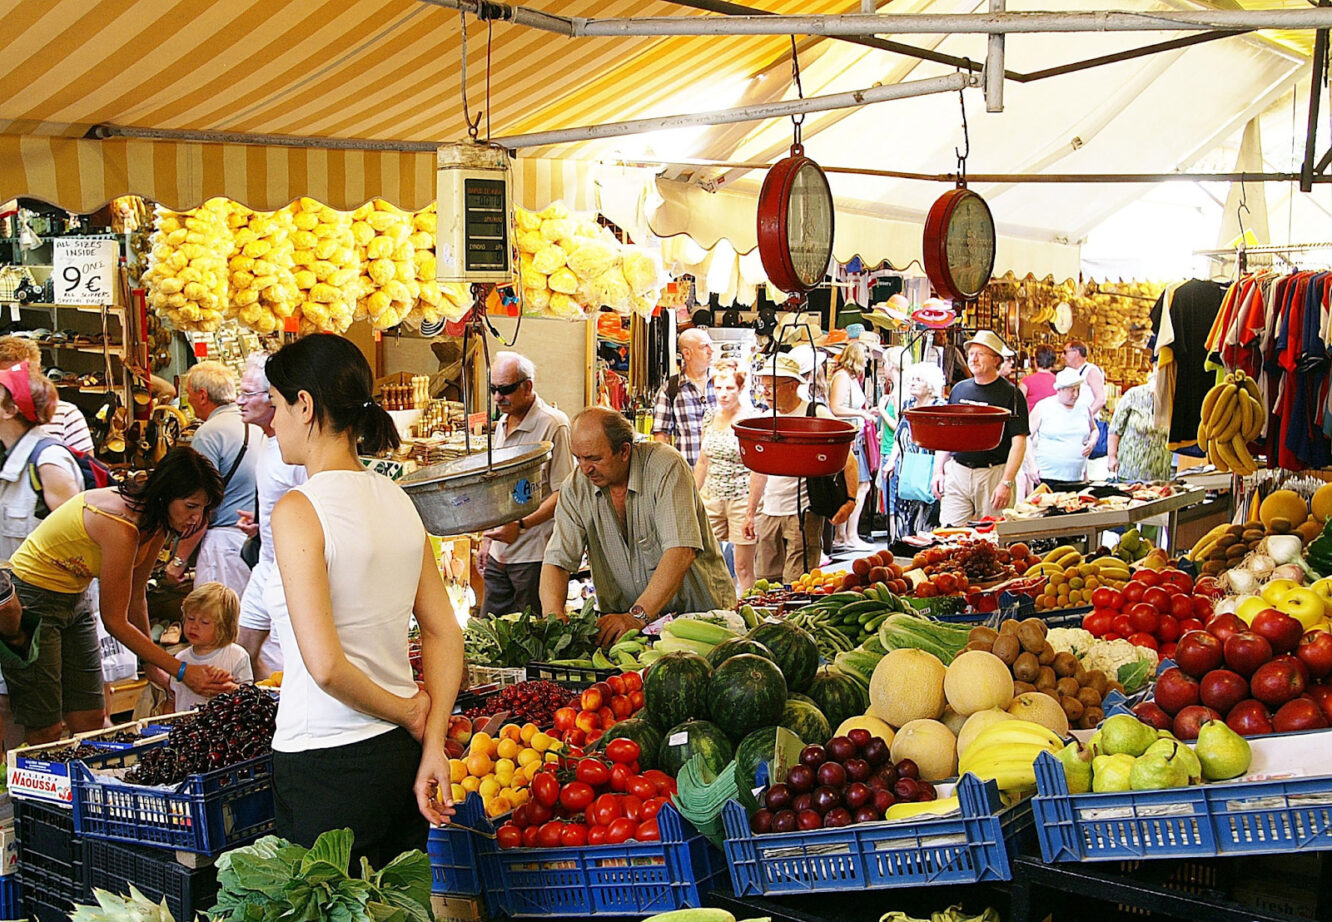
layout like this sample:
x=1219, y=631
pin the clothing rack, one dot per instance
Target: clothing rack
x=1241, y=254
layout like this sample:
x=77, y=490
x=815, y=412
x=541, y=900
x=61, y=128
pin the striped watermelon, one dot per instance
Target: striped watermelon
x=838, y=695
x=675, y=689
x=805, y=721
x=793, y=649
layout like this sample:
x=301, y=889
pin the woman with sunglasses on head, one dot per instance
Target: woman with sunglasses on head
x=358, y=744
x=51, y=660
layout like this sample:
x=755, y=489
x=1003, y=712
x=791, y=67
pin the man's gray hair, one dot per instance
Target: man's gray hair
x=525, y=366
x=214, y=379
x=257, y=362
x=617, y=428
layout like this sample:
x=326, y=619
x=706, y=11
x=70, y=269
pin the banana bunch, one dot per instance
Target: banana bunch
x=1233, y=415
x=187, y=266
x=1006, y=751
x=326, y=266
x=692, y=636
x=262, y=283
x=1057, y=561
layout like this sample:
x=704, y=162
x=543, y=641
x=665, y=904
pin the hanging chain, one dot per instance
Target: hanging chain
x=490, y=41
x=473, y=125
x=965, y=152
x=798, y=119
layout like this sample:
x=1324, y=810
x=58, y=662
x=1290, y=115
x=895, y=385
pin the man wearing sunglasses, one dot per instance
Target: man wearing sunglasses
x=512, y=552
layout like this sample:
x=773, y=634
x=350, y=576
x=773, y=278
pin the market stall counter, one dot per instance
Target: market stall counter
x=1089, y=525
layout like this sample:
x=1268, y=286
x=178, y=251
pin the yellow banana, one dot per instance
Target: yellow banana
x=1228, y=426
x=903, y=810
x=1222, y=408
x=1226, y=455
x=979, y=758
x=1016, y=774
x=1251, y=386
x=1209, y=401
x=1256, y=421
x=1245, y=407
x=1060, y=552
x=1242, y=454
x=1015, y=732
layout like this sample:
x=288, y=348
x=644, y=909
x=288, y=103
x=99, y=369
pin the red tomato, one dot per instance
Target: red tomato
x=1122, y=626
x=1099, y=621
x=652, y=807
x=520, y=815
x=1113, y=636
x=1189, y=624
x=620, y=777
x=509, y=836
x=1178, y=578
x=1107, y=597
x=573, y=834
x=1158, y=598
x=648, y=831
x=633, y=807
x=633, y=681
x=1167, y=650
x=576, y=796
x=1181, y=606
x=546, y=788
x=1202, y=608
x=1143, y=640
x=594, y=772
x=530, y=834
x=605, y=810
x=538, y=813
x=623, y=750
x=1143, y=617
x=641, y=788
x=597, y=835
x=1168, y=629
x=618, y=685
x=621, y=830
x=664, y=782
x=1133, y=592
x=1147, y=577
x=548, y=836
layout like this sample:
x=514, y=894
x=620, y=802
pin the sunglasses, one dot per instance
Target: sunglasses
x=505, y=390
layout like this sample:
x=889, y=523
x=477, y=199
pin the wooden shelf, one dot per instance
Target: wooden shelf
x=116, y=350
x=116, y=309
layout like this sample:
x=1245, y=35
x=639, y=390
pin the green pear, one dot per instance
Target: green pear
x=1173, y=749
x=1111, y=773
x=1158, y=770
x=1077, y=767
x=1124, y=733
x=1165, y=734
x=1222, y=752
x=1094, y=744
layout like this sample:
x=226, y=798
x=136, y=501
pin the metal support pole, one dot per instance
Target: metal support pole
x=947, y=84
x=994, y=65
x=1316, y=83
x=867, y=7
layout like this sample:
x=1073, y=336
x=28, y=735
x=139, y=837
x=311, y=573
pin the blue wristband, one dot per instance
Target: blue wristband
x=180, y=673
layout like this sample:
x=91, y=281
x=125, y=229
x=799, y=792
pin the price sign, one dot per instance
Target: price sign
x=84, y=270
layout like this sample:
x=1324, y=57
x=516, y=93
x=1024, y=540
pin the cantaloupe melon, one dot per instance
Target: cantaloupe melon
x=1038, y=707
x=1283, y=504
x=952, y=719
x=1321, y=504
x=930, y=745
x=978, y=722
x=907, y=685
x=874, y=725
x=977, y=680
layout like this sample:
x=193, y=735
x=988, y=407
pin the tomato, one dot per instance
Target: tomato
x=1178, y=578
x=538, y=813
x=605, y=809
x=520, y=816
x=1113, y=636
x=1202, y=607
x=664, y=782
x=576, y=796
x=594, y=772
x=530, y=834
x=1133, y=592
x=623, y=751
x=509, y=836
x=1168, y=629
x=633, y=681
x=1181, y=606
x=621, y=830
x=652, y=807
x=1106, y=597
x=546, y=788
x=1143, y=640
x=564, y=719
x=597, y=835
x=1189, y=624
x=619, y=779
x=1144, y=617
x=641, y=787
x=1147, y=577
x=1122, y=626
x=633, y=807
x=1099, y=621
x=548, y=836
x=1158, y=598
x=648, y=831
x=573, y=834
x=1167, y=650
x=617, y=685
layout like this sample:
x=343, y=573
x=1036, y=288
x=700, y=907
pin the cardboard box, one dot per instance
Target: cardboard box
x=457, y=908
x=8, y=849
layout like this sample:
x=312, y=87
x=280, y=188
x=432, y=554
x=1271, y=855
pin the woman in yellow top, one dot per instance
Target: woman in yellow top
x=51, y=660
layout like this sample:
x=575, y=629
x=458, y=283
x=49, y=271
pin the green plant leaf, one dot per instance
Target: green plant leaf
x=385, y=912
x=333, y=847
x=407, y=874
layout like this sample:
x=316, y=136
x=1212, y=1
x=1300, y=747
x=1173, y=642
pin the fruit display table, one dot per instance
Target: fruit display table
x=1089, y=525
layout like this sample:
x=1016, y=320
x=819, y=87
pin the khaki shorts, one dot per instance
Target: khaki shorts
x=782, y=554
x=727, y=518
x=967, y=493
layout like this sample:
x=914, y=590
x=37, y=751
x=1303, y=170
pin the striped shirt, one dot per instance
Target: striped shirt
x=682, y=418
x=662, y=510
x=69, y=426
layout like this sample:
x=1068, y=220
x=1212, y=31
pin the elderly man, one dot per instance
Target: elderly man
x=273, y=478
x=234, y=447
x=677, y=418
x=634, y=509
x=513, y=551
x=975, y=484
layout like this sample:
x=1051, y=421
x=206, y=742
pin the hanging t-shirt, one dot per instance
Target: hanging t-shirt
x=1193, y=309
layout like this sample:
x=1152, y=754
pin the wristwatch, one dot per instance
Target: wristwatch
x=638, y=614
x=177, y=562
x=1011, y=484
x=522, y=526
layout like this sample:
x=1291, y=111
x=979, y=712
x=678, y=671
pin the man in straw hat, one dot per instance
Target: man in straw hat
x=789, y=536
x=974, y=484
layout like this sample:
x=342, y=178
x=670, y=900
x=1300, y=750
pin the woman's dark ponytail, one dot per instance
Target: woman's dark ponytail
x=337, y=377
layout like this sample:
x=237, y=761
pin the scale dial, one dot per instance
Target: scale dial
x=795, y=223
x=959, y=245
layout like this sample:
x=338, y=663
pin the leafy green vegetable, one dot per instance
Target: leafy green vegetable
x=518, y=639
x=273, y=880
x=1134, y=675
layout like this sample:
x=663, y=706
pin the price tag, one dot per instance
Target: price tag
x=678, y=739
x=84, y=270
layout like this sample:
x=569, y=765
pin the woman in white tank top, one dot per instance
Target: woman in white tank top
x=357, y=743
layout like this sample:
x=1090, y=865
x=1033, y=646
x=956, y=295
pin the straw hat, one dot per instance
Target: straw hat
x=1067, y=378
x=791, y=329
x=784, y=367
x=803, y=355
x=989, y=340
x=833, y=341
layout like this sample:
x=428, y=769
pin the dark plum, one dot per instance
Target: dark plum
x=860, y=737
x=926, y=791
x=906, y=789
x=784, y=821
x=809, y=819
x=857, y=770
x=761, y=821
x=826, y=798
x=832, y=774
x=866, y=814
x=836, y=819
x=875, y=752
x=840, y=749
x=907, y=769
x=800, y=778
x=857, y=794
x=802, y=802
x=813, y=755
x=778, y=797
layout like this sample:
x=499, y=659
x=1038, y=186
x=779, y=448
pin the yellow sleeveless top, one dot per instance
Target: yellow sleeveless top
x=59, y=556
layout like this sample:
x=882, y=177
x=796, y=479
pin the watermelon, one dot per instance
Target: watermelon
x=769, y=750
x=746, y=692
x=734, y=647
x=641, y=731
x=796, y=696
x=838, y=695
x=805, y=721
x=695, y=738
x=676, y=689
x=793, y=649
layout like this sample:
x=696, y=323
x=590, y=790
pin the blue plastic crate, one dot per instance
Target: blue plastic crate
x=633, y=879
x=9, y=897
x=114, y=866
x=452, y=851
x=30, y=777
x=205, y=813
x=976, y=846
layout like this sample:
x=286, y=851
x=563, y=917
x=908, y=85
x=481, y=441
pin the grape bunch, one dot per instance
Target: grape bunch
x=231, y=728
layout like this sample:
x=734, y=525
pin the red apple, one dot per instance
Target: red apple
x=1249, y=718
x=1176, y=690
x=1281, y=630
x=1224, y=625
x=1202, y=608
x=1299, y=714
x=1315, y=652
x=1190, y=719
x=1246, y=651
x=1277, y=682
x=1222, y=689
x=1168, y=629
x=1323, y=695
x=1198, y=653
x=1150, y=713
x=1190, y=624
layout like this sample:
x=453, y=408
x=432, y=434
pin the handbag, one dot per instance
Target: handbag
x=827, y=495
x=915, y=475
x=249, y=551
x=1102, y=439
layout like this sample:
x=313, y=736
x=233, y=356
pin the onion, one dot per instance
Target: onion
x=1260, y=565
x=1291, y=571
x=1242, y=581
x=1282, y=549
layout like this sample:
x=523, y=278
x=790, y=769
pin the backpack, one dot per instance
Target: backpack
x=95, y=473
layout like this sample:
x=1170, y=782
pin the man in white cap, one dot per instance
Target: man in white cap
x=975, y=484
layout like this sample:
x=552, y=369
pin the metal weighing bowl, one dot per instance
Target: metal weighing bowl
x=466, y=495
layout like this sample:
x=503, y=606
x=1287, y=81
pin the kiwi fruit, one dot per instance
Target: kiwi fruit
x=1237, y=528
x=1214, y=568
x=1026, y=667
x=1096, y=679
x=1089, y=697
x=983, y=646
x=1067, y=686
x=1080, y=673
x=1036, y=624
x=1007, y=648
x=1226, y=541
x=1032, y=640
x=1021, y=688
x=1093, y=716
x=1045, y=679
x=1073, y=708
x=1065, y=664
x=1008, y=627
x=1279, y=525
x=1236, y=551
x=1046, y=654
x=982, y=634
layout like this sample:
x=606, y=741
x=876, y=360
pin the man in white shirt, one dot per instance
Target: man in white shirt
x=512, y=552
